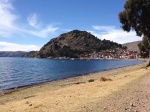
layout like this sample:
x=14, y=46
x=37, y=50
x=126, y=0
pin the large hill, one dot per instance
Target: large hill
x=132, y=46
x=73, y=44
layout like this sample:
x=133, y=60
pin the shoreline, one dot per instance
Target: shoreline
x=73, y=94
x=7, y=91
x=10, y=90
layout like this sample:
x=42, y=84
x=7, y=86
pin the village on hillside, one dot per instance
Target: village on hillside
x=114, y=53
x=117, y=53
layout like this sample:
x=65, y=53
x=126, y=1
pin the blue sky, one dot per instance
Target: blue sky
x=29, y=24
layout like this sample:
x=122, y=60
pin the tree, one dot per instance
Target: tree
x=136, y=16
x=145, y=42
x=143, y=52
x=146, y=45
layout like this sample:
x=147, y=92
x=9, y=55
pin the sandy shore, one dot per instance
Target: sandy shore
x=77, y=94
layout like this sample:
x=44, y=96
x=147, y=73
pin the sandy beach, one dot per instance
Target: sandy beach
x=126, y=91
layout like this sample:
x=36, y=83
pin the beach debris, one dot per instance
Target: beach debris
x=105, y=79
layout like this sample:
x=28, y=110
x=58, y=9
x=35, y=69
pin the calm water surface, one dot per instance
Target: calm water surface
x=17, y=72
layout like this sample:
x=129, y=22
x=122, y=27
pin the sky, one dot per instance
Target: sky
x=27, y=25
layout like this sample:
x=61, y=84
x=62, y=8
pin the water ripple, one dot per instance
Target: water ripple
x=16, y=72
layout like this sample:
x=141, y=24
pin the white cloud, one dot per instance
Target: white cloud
x=44, y=32
x=6, y=46
x=7, y=18
x=9, y=25
x=103, y=28
x=32, y=21
x=113, y=34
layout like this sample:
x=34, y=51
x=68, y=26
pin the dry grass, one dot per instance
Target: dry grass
x=105, y=79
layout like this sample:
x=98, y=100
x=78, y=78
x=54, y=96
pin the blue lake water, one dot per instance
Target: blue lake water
x=17, y=72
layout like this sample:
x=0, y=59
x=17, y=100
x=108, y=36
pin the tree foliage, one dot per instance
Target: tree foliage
x=145, y=43
x=144, y=47
x=136, y=16
x=143, y=52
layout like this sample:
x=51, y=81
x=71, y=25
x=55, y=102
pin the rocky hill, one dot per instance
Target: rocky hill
x=132, y=46
x=73, y=44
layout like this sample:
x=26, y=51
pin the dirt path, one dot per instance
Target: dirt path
x=132, y=98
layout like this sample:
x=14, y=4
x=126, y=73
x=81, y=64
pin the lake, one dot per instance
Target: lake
x=18, y=72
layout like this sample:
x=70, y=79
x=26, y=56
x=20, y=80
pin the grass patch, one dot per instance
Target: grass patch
x=91, y=80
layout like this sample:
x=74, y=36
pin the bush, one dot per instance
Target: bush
x=91, y=80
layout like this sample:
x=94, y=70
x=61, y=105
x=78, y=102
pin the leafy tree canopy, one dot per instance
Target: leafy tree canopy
x=136, y=16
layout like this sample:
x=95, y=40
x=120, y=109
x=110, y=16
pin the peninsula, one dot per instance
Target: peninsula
x=83, y=45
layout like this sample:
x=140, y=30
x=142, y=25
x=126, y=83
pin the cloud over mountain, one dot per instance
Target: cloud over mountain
x=114, y=34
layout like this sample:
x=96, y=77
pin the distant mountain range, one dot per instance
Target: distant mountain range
x=73, y=44
x=132, y=46
x=16, y=53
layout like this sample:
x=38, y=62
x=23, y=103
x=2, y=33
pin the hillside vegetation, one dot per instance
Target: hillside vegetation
x=73, y=44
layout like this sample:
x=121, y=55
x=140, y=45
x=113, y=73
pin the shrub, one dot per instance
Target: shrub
x=91, y=80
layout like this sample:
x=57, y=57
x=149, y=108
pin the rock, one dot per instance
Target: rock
x=30, y=104
x=131, y=104
x=104, y=108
